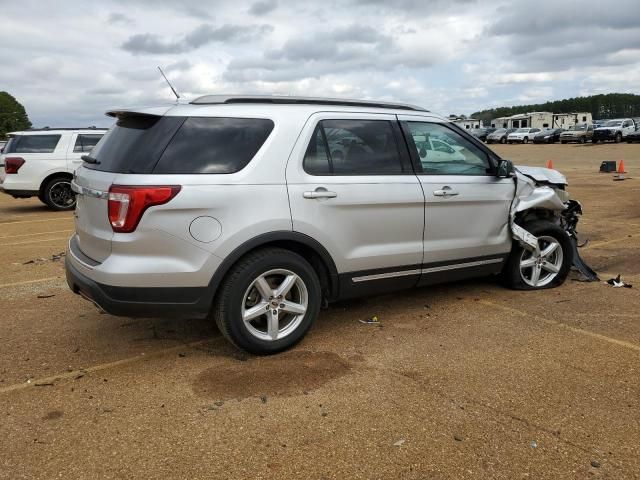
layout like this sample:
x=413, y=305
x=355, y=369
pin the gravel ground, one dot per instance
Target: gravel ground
x=466, y=380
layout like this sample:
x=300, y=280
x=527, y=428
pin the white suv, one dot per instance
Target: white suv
x=258, y=210
x=523, y=135
x=41, y=163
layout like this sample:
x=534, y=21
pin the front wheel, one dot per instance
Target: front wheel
x=618, y=137
x=57, y=194
x=582, y=139
x=525, y=140
x=268, y=301
x=503, y=140
x=546, y=268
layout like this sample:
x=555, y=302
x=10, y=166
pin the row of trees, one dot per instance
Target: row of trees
x=611, y=105
x=13, y=116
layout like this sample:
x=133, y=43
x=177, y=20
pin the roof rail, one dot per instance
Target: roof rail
x=44, y=129
x=287, y=100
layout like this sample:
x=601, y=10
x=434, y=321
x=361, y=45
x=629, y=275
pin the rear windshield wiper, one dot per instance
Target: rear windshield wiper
x=90, y=159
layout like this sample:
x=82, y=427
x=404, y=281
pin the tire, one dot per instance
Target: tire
x=563, y=142
x=618, y=137
x=583, y=140
x=57, y=194
x=561, y=259
x=503, y=140
x=594, y=141
x=41, y=196
x=240, y=293
x=525, y=140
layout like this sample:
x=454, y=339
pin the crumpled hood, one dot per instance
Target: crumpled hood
x=540, y=174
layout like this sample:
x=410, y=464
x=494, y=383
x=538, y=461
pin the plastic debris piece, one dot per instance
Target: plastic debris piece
x=618, y=283
x=399, y=443
x=374, y=320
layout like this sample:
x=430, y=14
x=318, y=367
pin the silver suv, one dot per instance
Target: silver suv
x=259, y=210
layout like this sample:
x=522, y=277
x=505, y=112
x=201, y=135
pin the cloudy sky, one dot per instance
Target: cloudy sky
x=68, y=62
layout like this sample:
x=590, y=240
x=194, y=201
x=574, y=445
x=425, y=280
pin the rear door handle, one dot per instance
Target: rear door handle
x=320, y=192
x=445, y=192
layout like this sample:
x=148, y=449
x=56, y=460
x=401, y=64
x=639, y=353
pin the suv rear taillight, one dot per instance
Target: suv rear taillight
x=13, y=164
x=128, y=203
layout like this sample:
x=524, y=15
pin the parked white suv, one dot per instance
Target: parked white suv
x=41, y=163
x=258, y=210
x=523, y=135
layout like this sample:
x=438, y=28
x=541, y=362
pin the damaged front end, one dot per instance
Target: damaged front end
x=541, y=194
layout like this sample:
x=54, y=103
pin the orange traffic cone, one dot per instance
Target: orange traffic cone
x=549, y=164
x=621, y=167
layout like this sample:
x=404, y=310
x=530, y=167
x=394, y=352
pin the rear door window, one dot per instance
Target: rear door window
x=33, y=144
x=214, y=145
x=86, y=142
x=353, y=147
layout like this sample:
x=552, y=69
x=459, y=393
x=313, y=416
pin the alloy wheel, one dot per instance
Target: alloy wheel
x=539, y=269
x=61, y=195
x=275, y=304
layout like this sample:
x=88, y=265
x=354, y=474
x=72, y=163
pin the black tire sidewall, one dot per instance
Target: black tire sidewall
x=511, y=273
x=240, y=283
x=46, y=194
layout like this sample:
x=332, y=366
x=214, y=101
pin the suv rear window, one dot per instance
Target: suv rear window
x=134, y=144
x=214, y=145
x=32, y=144
x=180, y=145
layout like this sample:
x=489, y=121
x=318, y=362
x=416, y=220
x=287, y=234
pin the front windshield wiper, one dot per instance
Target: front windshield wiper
x=90, y=159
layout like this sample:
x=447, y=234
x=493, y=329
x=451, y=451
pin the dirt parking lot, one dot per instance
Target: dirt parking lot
x=465, y=380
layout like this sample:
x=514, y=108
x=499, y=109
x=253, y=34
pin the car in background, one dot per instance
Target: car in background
x=523, y=135
x=551, y=135
x=500, y=135
x=2, y=144
x=633, y=137
x=40, y=163
x=614, y=130
x=577, y=133
x=482, y=133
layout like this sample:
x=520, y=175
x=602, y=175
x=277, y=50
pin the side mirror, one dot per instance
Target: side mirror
x=505, y=169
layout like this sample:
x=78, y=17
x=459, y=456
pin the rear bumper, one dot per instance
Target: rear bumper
x=182, y=302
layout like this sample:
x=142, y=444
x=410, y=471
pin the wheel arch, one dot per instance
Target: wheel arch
x=304, y=245
x=52, y=175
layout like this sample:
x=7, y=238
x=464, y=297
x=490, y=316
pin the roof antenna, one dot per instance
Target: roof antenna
x=170, y=86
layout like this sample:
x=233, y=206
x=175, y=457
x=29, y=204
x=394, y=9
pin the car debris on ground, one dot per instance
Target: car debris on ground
x=618, y=283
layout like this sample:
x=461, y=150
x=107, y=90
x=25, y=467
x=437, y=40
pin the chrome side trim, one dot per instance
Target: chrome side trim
x=382, y=276
x=442, y=268
x=455, y=266
x=89, y=192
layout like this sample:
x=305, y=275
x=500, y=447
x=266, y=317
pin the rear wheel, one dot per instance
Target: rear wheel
x=268, y=301
x=595, y=140
x=548, y=268
x=57, y=194
x=618, y=137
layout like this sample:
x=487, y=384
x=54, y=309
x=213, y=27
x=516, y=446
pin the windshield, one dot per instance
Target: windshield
x=502, y=130
x=580, y=127
x=613, y=123
x=522, y=130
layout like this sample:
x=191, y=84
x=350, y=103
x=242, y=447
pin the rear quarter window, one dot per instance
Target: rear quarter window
x=32, y=144
x=217, y=145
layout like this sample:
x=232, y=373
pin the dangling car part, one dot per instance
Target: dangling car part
x=541, y=195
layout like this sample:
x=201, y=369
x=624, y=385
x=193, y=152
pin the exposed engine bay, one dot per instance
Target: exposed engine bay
x=541, y=194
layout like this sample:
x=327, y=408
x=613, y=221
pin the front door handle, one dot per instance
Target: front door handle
x=320, y=192
x=446, y=191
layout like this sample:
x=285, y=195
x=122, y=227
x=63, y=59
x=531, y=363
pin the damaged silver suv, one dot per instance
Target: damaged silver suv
x=256, y=211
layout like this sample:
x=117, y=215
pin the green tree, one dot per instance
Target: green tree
x=610, y=105
x=13, y=116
